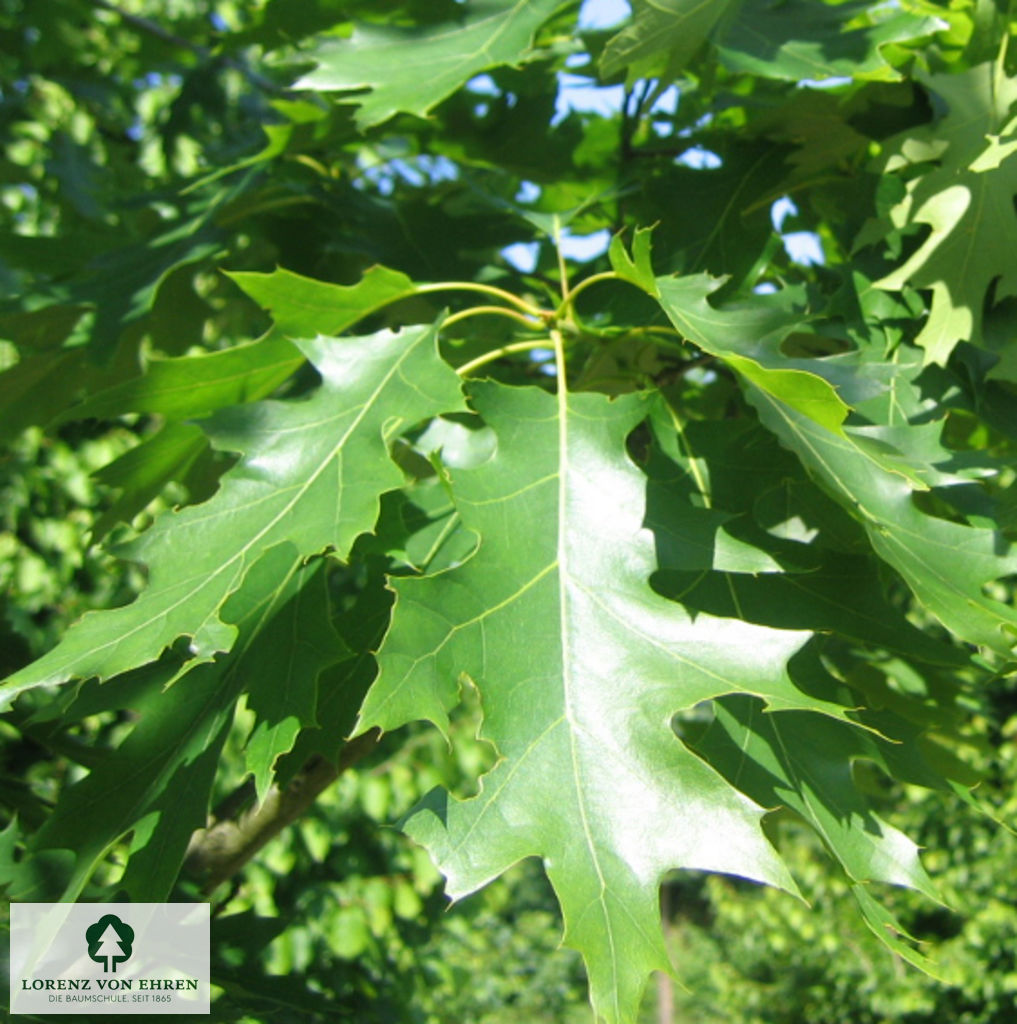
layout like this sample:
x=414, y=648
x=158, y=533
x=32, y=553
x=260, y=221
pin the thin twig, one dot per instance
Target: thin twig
x=465, y=314
x=218, y=852
x=484, y=289
x=490, y=357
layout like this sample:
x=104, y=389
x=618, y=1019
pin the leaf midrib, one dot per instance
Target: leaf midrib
x=566, y=671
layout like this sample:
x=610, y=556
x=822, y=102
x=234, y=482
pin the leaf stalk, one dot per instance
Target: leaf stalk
x=497, y=353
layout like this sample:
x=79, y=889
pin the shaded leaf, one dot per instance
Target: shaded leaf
x=791, y=40
x=803, y=761
x=802, y=39
x=157, y=781
x=141, y=473
x=293, y=650
x=948, y=565
x=666, y=31
x=748, y=337
x=191, y=386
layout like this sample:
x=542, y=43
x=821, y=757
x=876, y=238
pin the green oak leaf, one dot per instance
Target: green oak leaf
x=747, y=337
x=637, y=268
x=412, y=70
x=122, y=285
x=141, y=473
x=580, y=667
x=196, y=385
x=342, y=687
x=40, y=330
x=43, y=384
x=191, y=386
x=799, y=40
x=966, y=199
x=842, y=596
x=872, y=471
x=294, y=648
x=804, y=762
x=303, y=307
x=310, y=472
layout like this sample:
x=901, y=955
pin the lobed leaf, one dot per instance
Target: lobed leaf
x=873, y=471
x=412, y=70
x=794, y=40
x=580, y=668
x=304, y=308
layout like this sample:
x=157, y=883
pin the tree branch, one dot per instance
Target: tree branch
x=218, y=852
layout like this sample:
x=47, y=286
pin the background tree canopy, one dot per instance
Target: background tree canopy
x=587, y=443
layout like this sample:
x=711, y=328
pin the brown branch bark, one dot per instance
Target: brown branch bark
x=218, y=852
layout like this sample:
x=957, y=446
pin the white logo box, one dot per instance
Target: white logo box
x=110, y=958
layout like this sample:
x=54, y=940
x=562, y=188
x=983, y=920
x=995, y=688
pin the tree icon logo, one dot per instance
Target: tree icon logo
x=109, y=942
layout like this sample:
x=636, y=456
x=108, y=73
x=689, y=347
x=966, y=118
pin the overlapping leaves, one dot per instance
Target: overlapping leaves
x=793, y=41
x=589, y=604
x=311, y=473
x=866, y=472
x=162, y=773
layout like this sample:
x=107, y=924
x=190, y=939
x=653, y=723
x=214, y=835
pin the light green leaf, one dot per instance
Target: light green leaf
x=412, y=70
x=580, y=668
x=311, y=473
x=747, y=337
x=967, y=200
x=304, y=308
x=637, y=269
